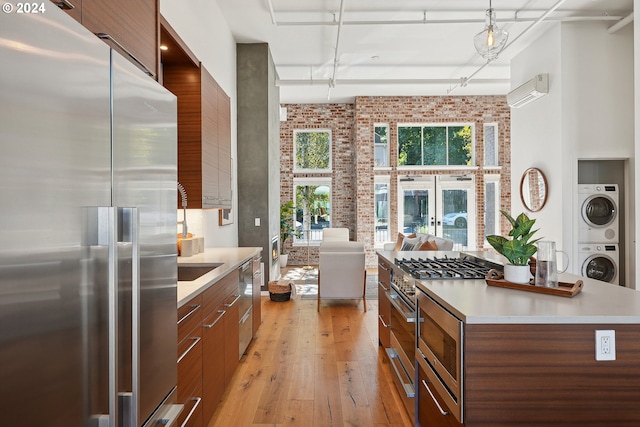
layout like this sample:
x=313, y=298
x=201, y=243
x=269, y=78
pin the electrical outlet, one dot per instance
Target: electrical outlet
x=256, y=222
x=606, y=345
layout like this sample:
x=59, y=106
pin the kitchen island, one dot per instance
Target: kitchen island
x=523, y=358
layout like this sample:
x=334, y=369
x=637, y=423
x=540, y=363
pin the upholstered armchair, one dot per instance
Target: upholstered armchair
x=335, y=234
x=341, y=271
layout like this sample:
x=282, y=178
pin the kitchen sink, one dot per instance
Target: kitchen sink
x=190, y=272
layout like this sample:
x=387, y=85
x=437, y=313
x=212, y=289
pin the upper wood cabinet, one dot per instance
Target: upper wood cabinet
x=131, y=27
x=204, y=136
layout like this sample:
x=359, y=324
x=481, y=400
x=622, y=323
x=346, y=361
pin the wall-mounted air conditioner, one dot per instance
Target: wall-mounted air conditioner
x=527, y=92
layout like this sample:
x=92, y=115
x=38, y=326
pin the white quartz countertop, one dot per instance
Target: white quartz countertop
x=473, y=301
x=229, y=258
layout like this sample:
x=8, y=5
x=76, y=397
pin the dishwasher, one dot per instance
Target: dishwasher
x=245, y=303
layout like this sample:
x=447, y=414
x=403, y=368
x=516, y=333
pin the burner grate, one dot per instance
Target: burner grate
x=444, y=268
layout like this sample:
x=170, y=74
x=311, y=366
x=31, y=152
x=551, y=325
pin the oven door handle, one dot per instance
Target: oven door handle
x=409, y=315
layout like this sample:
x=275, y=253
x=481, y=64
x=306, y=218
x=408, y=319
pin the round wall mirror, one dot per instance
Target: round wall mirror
x=533, y=189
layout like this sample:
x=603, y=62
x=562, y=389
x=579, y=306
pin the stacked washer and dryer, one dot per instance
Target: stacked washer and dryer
x=598, y=231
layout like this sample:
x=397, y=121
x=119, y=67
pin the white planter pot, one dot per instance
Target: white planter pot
x=284, y=258
x=517, y=273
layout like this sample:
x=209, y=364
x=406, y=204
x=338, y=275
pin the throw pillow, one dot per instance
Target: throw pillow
x=400, y=239
x=428, y=245
x=410, y=243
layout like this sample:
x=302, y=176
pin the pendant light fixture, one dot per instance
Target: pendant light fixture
x=490, y=42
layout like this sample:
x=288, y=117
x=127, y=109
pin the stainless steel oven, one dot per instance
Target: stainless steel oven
x=403, y=336
x=440, y=352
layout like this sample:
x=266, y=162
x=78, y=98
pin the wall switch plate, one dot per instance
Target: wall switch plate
x=606, y=345
x=256, y=222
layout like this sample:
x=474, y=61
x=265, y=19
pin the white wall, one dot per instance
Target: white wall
x=588, y=114
x=202, y=27
x=536, y=132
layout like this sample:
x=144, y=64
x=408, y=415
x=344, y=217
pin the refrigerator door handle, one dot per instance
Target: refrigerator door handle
x=129, y=220
x=107, y=235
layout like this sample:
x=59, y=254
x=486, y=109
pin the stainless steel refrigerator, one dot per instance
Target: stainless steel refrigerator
x=87, y=230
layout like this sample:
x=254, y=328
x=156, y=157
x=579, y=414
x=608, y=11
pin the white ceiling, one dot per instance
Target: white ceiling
x=385, y=47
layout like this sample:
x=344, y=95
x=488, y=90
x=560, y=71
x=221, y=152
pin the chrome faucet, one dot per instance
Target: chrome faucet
x=183, y=195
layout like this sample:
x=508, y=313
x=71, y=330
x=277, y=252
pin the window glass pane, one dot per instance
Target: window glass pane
x=490, y=209
x=416, y=211
x=313, y=211
x=435, y=145
x=490, y=146
x=381, y=145
x=460, y=145
x=382, y=211
x=313, y=150
x=454, y=218
x=409, y=145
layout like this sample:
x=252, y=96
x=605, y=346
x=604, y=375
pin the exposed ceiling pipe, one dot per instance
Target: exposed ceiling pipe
x=465, y=80
x=332, y=81
x=351, y=82
x=621, y=23
x=425, y=20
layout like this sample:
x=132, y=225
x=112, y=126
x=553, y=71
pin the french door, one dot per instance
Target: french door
x=443, y=205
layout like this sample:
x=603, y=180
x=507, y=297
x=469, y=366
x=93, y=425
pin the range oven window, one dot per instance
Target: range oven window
x=440, y=341
x=441, y=344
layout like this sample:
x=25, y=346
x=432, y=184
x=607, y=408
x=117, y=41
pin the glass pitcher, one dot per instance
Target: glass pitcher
x=547, y=264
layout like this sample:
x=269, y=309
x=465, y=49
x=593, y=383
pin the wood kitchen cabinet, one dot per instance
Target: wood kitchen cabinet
x=384, y=305
x=208, y=344
x=220, y=340
x=432, y=412
x=190, y=344
x=133, y=25
x=204, y=135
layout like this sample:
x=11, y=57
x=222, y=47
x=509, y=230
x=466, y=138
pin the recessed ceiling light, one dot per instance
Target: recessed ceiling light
x=163, y=47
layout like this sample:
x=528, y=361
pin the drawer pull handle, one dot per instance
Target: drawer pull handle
x=442, y=411
x=193, y=409
x=65, y=4
x=383, y=267
x=193, y=344
x=105, y=36
x=237, y=297
x=381, y=284
x=193, y=310
x=210, y=325
x=383, y=323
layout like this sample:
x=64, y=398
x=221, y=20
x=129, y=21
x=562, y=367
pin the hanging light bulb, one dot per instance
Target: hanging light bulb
x=490, y=41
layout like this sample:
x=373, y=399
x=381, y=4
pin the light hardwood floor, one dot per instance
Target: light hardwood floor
x=306, y=368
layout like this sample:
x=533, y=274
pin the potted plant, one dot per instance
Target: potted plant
x=518, y=249
x=287, y=229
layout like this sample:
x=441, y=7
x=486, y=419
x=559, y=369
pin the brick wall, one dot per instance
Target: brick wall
x=352, y=128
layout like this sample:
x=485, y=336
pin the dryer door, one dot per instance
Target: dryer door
x=599, y=267
x=599, y=211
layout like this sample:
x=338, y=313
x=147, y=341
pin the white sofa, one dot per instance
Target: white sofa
x=442, y=244
x=341, y=271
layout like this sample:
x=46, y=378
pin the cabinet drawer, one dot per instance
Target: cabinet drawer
x=190, y=367
x=216, y=294
x=432, y=411
x=192, y=413
x=189, y=317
